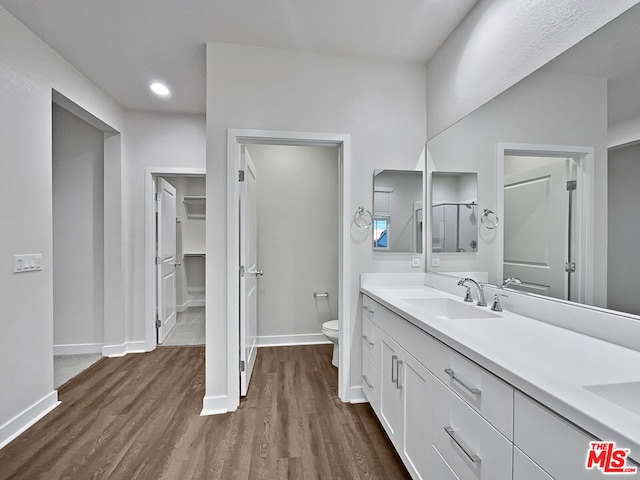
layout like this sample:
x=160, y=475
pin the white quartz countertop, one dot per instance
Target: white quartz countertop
x=550, y=364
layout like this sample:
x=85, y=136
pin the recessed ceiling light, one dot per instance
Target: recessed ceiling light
x=160, y=89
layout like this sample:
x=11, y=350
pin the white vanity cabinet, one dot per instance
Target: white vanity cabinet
x=403, y=405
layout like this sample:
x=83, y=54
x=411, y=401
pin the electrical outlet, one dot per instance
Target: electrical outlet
x=415, y=261
x=27, y=263
x=435, y=260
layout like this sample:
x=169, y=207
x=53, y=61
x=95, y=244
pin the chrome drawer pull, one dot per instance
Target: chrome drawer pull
x=367, y=309
x=394, y=359
x=398, y=384
x=472, y=456
x=366, y=380
x=452, y=374
x=366, y=339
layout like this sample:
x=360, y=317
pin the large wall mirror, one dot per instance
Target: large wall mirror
x=558, y=160
x=397, y=211
x=454, y=212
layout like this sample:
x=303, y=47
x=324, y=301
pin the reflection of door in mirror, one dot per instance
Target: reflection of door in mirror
x=538, y=223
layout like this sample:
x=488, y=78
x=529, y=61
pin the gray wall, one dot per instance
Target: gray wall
x=78, y=232
x=297, y=237
x=624, y=229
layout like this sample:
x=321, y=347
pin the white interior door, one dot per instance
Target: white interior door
x=166, y=259
x=248, y=260
x=536, y=229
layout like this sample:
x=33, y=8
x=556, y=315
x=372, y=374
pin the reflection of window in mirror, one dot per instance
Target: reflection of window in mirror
x=381, y=232
x=397, y=211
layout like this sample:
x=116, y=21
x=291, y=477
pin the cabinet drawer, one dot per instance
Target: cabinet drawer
x=417, y=342
x=468, y=443
x=371, y=342
x=558, y=446
x=483, y=391
x=525, y=469
x=440, y=468
x=371, y=384
x=368, y=307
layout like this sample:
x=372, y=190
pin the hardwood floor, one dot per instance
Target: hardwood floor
x=137, y=417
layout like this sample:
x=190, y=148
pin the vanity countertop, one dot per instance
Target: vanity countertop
x=560, y=368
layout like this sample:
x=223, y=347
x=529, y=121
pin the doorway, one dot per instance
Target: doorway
x=180, y=259
x=78, y=244
x=544, y=195
x=288, y=246
x=175, y=297
x=238, y=140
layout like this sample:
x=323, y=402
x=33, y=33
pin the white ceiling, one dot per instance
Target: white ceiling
x=122, y=45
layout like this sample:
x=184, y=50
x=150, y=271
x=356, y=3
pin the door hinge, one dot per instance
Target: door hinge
x=570, y=267
x=158, y=260
x=241, y=175
x=572, y=185
x=158, y=197
x=158, y=322
x=242, y=270
x=242, y=365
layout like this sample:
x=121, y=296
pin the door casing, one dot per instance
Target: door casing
x=235, y=138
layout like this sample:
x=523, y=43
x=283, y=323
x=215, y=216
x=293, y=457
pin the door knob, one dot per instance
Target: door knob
x=258, y=273
x=177, y=264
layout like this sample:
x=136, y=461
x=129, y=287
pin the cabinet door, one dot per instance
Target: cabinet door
x=525, y=469
x=391, y=392
x=417, y=386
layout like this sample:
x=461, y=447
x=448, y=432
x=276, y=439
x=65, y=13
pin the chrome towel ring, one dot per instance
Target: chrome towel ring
x=362, y=218
x=489, y=219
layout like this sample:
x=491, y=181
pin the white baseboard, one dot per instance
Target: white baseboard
x=190, y=303
x=356, y=395
x=183, y=307
x=124, y=348
x=77, y=349
x=214, y=405
x=287, y=340
x=27, y=418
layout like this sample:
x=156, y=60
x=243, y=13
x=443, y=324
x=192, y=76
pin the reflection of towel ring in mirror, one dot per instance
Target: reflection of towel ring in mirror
x=489, y=219
x=362, y=218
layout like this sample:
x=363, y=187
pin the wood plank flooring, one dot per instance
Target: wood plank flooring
x=137, y=417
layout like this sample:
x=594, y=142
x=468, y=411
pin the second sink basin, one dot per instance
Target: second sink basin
x=445, y=308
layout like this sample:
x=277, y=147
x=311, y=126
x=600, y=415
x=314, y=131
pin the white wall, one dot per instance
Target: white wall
x=78, y=234
x=380, y=104
x=624, y=229
x=29, y=70
x=153, y=140
x=499, y=43
x=542, y=109
x=297, y=237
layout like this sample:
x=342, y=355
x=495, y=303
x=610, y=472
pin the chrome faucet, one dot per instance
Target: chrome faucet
x=510, y=280
x=481, y=301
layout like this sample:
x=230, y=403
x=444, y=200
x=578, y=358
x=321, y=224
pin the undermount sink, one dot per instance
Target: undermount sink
x=447, y=309
x=626, y=395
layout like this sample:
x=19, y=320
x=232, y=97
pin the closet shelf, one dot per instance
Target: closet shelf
x=195, y=206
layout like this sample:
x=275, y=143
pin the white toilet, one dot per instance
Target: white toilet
x=330, y=330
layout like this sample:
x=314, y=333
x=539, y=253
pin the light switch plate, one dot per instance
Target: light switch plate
x=27, y=263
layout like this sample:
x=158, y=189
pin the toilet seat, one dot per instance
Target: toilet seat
x=331, y=326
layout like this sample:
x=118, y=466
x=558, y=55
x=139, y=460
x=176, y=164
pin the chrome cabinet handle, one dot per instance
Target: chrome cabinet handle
x=398, y=384
x=470, y=455
x=366, y=380
x=367, y=309
x=366, y=339
x=469, y=388
x=394, y=359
